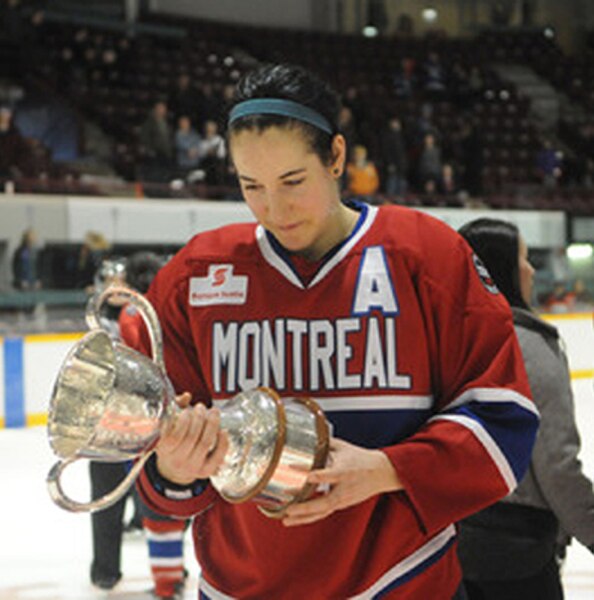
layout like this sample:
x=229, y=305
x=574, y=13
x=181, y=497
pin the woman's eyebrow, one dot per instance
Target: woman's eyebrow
x=291, y=173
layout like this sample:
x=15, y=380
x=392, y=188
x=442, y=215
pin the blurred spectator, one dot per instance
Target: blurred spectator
x=472, y=157
x=187, y=146
x=348, y=127
x=425, y=124
x=156, y=144
x=429, y=168
x=362, y=175
x=476, y=83
x=92, y=252
x=580, y=296
x=559, y=300
x=434, y=77
x=11, y=19
x=549, y=164
x=352, y=100
x=184, y=99
x=404, y=78
x=394, y=159
x=447, y=184
x=25, y=263
x=209, y=105
x=213, y=154
x=16, y=157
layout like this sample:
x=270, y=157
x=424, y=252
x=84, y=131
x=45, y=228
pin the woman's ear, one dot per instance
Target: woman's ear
x=338, y=155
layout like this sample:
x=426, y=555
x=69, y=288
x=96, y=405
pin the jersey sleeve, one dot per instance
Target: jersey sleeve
x=477, y=445
x=168, y=296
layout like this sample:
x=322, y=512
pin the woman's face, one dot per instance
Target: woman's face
x=526, y=271
x=289, y=190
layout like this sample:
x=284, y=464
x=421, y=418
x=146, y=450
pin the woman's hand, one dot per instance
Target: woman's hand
x=353, y=474
x=192, y=445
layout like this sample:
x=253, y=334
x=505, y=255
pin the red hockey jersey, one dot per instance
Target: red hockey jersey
x=407, y=346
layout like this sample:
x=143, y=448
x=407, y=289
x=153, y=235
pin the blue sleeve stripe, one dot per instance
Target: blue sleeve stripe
x=506, y=430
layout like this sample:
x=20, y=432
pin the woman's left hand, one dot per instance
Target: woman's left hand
x=353, y=475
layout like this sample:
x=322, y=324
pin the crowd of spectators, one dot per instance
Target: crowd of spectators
x=435, y=120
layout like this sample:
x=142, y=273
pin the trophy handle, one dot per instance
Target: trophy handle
x=63, y=501
x=145, y=308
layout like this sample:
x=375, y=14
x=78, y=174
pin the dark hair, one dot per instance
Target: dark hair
x=141, y=269
x=289, y=82
x=496, y=243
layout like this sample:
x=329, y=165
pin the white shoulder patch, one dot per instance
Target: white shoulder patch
x=220, y=286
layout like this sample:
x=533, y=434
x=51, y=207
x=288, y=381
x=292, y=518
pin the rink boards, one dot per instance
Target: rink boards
x=29, y=366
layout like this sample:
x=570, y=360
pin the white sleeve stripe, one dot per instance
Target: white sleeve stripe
x=211, y=592
x=169, y=536
x=412, y=561
x=493, y=395
x=488, y=443
x=393, y=402
x=176, y=561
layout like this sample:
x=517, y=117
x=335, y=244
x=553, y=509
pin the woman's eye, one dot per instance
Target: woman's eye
x=251, y=187
x=294, y=182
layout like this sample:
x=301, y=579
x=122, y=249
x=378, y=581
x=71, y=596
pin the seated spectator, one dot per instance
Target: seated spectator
x=25, y=263
x=394, y=159
x=156, y=144
x=362, y=176
x=187, y=146
x=213, y=153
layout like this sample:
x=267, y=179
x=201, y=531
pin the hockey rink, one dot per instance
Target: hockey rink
x=46, y=551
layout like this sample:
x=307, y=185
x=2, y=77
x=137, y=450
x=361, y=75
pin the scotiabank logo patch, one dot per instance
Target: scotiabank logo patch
x=220, y=286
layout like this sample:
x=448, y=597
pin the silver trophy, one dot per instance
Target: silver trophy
x=110, y=403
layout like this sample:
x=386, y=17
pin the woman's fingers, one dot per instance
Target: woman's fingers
x=183, y=400
x=215, y=458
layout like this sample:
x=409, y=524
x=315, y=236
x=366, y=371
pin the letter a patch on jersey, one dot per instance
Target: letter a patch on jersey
x=220, y=286
x=374, y=285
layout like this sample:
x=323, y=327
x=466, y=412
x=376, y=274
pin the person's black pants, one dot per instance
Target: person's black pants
x=544, y=585
x=107, y=524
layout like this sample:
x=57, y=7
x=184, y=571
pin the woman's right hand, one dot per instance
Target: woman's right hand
x=192, y=445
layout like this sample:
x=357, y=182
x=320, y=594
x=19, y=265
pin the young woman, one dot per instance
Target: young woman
x=509, y=550
x=382, y=317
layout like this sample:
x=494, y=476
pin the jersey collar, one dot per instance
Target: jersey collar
x=278, y=257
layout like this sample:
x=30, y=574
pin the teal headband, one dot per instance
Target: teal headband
x=283, y=108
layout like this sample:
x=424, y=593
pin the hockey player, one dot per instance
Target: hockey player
x=380, y=315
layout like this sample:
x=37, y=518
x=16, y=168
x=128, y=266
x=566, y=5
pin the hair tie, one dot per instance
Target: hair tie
x=281, y=107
